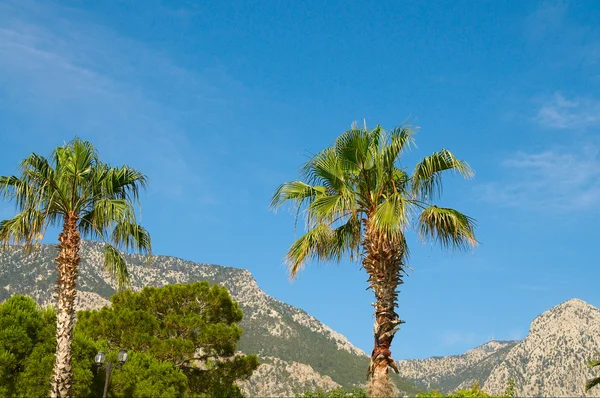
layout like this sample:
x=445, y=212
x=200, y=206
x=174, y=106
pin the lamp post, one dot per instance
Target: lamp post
x=100, y=358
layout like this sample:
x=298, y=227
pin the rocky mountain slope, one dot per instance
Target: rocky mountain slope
x=549, y=362
x=457, y=371
x=300, y=353
x=297, y=351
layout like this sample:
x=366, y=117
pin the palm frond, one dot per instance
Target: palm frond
x=85, y=157
x=331, y=208
x=16, y=189
x=325, y=169
x=131, y=236
x=450, y=228
x=26, y=227
x=427, y=178
x=346, y=240
x=309, y=246
x=296, y=191
x=124, y=183
x=401, y=139
x=114, y=264
x=106, y=212
x=88, y=227
x=37, y=169
x=354, y=149
x=391, y=216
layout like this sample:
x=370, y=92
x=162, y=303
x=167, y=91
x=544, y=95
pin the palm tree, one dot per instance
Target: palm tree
x=591, y=383
x=358, y=202
x=88, y=198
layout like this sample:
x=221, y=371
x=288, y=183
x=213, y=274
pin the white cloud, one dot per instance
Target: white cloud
x=552, y=179
x=575, y=113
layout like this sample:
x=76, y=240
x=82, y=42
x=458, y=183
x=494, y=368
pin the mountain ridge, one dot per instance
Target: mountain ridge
x=285, y=337
x=300, y=353
x=550, y=361
x=571, y=332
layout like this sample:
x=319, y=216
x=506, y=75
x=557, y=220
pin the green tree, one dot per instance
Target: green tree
x=193, y=327
x=355, y=195
x=75, y=190
x=21, y=328
x=510, y=389
x=145, y=376
x=335, y=393
x=430, y=394
x=474, y=392
x=27, y=341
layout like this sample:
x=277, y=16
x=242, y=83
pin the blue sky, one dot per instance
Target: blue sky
x=219, y=103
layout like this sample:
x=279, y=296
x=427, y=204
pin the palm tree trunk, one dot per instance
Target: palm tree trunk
x=67, y=262
x=383, y=263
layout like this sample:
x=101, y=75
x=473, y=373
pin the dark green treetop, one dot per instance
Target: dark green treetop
x=193, y=326
x=27, y=345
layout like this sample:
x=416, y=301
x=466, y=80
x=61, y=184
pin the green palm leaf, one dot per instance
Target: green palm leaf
x=427, y=179
x=115, y=265
x=448, y=227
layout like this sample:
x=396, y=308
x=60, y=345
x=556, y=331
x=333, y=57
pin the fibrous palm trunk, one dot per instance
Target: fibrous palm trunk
x=67, y=262
x=383, y=262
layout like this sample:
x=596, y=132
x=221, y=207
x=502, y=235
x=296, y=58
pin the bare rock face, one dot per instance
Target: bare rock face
x=457, y=371
x=278, y=378
x=551, y=360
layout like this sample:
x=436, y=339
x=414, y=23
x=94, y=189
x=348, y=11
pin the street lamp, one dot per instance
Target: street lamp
x=100, y=358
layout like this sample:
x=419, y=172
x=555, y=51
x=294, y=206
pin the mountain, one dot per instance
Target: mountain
x=297, y=351
x=457, y=371
x=550, y=361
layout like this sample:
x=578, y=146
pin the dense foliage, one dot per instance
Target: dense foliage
x=27, y=345
x=337, y=393
x=192, y=327
x=181, y=341
x=474, y=392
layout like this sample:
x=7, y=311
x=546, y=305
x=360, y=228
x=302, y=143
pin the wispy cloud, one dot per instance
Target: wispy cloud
x=64, y=78
x=553, y=179
x=546, y=19
x=562, y=113
x=565, y=38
